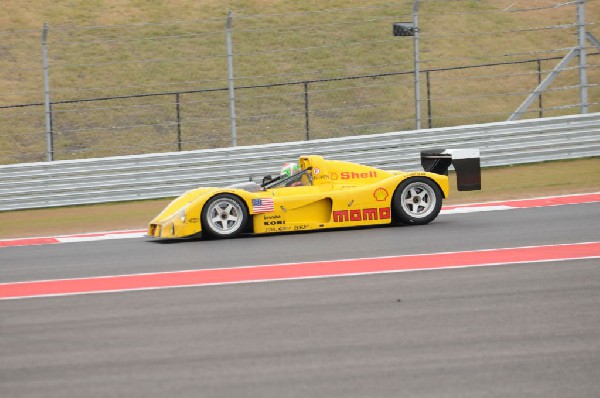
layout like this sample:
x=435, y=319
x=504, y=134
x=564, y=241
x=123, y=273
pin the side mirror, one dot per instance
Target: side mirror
x=266, y=179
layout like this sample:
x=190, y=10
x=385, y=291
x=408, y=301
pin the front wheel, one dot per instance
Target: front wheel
x=417, y=201
x=224, y=216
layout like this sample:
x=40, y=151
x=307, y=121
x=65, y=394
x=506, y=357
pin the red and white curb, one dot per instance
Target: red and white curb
x=523, y=203
x=457, y=209
x=296, y=271
x=90, y=237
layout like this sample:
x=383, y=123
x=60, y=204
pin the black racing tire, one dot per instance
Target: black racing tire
x=224, y=216
x=417, y=201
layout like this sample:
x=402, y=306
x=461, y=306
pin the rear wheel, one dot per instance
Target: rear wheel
x=417, y=201
x=224, y=216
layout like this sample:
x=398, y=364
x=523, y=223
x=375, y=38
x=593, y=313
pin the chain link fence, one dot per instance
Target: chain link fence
x=162, y=87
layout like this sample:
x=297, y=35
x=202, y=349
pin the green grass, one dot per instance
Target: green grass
x=516, y=182
x=93, y=46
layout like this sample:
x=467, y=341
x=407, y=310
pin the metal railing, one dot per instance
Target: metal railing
x=126, y=178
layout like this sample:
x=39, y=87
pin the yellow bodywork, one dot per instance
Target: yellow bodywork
x=342, y=194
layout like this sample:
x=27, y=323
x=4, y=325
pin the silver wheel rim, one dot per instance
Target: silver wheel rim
x=224, y=216
x=418, y=200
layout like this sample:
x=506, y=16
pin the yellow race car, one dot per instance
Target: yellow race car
x=320, y=194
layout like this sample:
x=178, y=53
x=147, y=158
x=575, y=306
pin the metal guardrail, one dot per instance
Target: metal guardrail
x=126, y=178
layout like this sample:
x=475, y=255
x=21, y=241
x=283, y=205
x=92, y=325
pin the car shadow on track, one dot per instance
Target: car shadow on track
x=245, y=236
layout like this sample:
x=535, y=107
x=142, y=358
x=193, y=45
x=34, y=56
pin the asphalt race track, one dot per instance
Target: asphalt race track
x=528, y=329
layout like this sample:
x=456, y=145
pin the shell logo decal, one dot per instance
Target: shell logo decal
x=380, y=194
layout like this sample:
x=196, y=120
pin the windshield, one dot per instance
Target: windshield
x=249, y=186
x=301, y=179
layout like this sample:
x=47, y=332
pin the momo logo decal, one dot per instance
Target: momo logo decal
x=370, y=214
x=380, y=194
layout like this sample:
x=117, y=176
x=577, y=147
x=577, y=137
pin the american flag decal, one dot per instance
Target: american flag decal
x=263, y=205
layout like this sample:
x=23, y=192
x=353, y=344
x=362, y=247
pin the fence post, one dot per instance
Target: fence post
x=540, y=102
x=429, y=117
x=583, y=80
x=307, y=125
x=47, y=105
x=415, y=17
x=177, y=106
x=232, y=116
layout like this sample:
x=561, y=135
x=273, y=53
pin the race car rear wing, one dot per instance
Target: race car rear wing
x=466, y=162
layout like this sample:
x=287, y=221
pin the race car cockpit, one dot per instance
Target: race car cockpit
x=301, y=178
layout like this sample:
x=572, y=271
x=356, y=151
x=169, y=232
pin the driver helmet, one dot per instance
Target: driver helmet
x=289, y=169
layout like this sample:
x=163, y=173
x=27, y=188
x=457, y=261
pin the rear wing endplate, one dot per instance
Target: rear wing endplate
x=466, y=162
